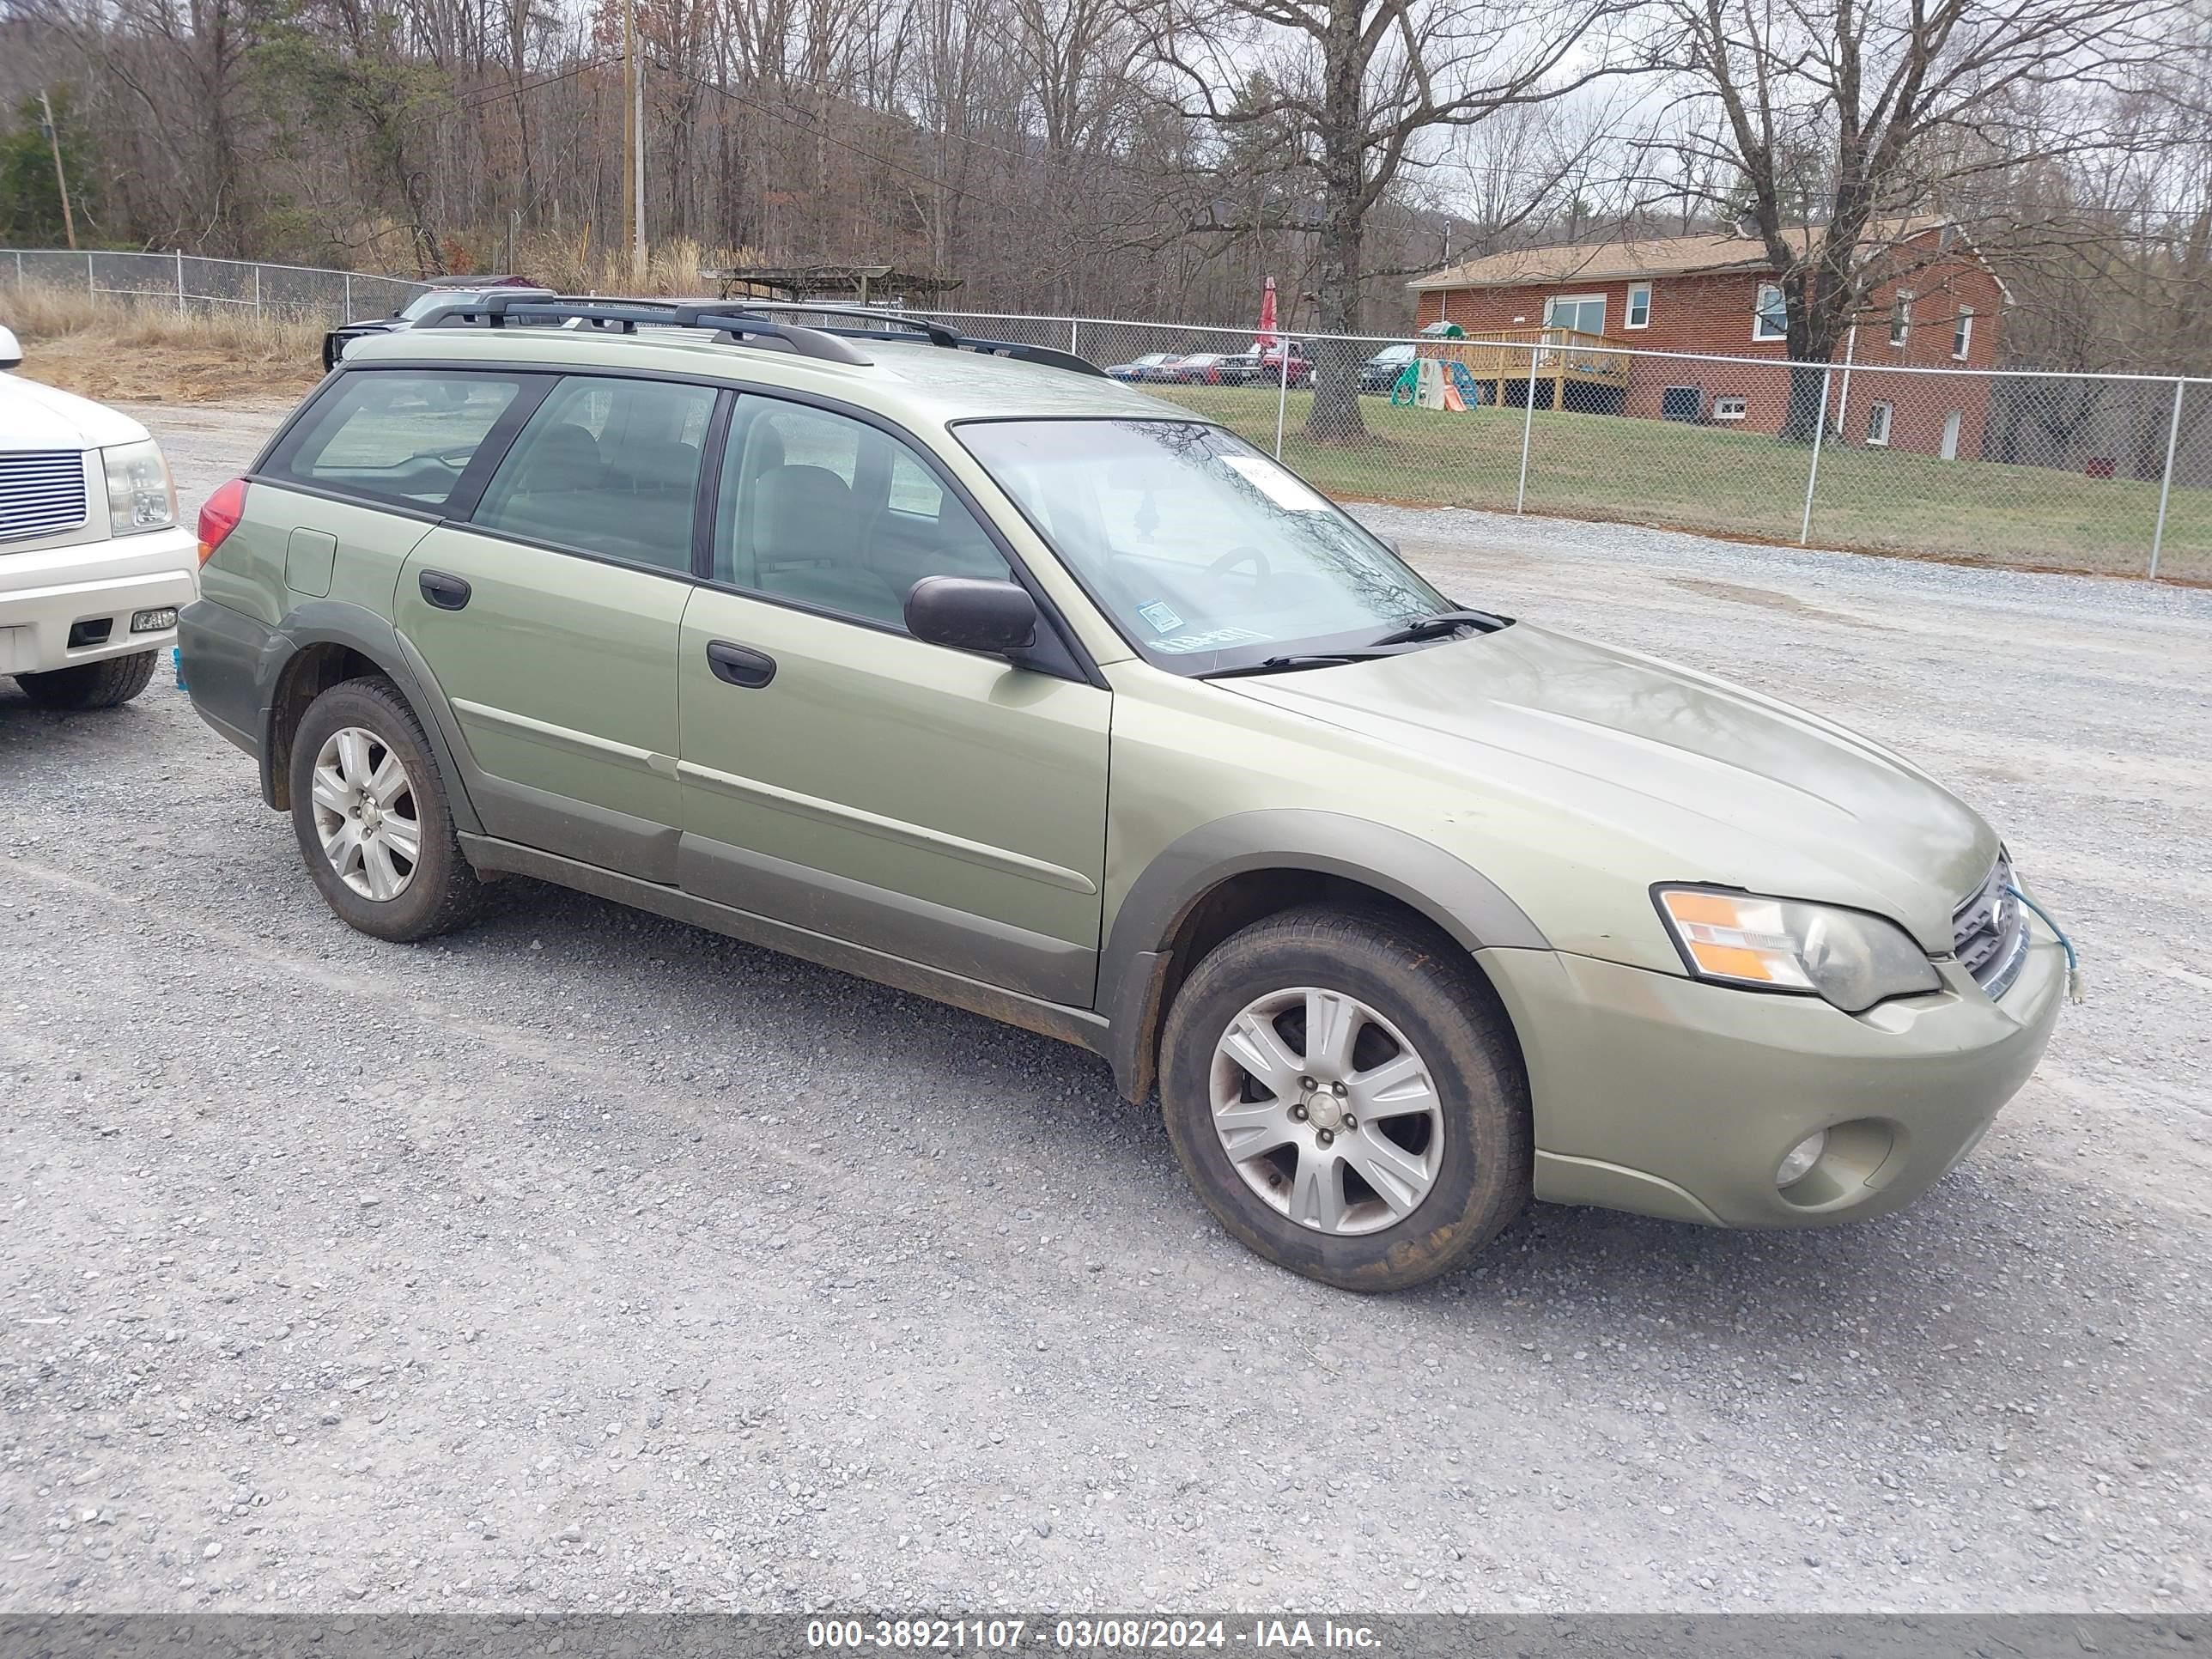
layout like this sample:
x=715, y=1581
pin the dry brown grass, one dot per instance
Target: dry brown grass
x=134, y=351
x=577, y=264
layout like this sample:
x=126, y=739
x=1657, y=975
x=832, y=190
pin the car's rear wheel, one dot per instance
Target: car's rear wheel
x=102, y=685
x=1345, y=1098
x=370, y=808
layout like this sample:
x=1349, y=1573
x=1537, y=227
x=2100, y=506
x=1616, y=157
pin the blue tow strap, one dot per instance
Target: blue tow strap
x=2073, y=961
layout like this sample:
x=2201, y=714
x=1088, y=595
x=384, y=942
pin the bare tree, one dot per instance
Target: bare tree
x=1368, y=84
x=1851, y=116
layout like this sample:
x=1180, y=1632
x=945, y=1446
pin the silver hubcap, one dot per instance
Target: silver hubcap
x=1327, y=1111
x=366, y=814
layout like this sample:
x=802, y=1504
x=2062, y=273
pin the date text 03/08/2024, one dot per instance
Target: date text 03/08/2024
x=1084, y=1635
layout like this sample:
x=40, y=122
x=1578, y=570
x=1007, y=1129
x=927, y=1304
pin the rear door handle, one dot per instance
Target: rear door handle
x=446, y=593
x=741, y=665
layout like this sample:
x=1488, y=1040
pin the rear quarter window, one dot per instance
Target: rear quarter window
x=405, y=437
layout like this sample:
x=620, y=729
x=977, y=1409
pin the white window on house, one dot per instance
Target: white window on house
x=1962, y=333
x=1878, y=425
x=1639, y=306
x=1730, y=409
x=1582, y=313
x=1771, y=320
x=1900, y=317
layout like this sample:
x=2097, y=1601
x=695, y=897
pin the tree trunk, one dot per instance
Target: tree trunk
x=1813, y=335
x=1801, y=423
x=1335, y=417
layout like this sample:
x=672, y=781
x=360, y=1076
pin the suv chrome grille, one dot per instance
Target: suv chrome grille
x=41, y=492
x=1989, y=931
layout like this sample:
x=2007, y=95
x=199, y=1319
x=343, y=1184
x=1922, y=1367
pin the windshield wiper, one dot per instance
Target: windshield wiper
x=1304, y=659
x=1444, y=623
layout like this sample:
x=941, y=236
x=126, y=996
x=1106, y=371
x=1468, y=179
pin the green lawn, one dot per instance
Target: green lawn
x=1738, y=484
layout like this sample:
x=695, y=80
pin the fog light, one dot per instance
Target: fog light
x=1799, y=1162
x=151, y=622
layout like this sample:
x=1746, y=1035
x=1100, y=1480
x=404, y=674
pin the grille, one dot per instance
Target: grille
x=1989, y=931
x=41, y=492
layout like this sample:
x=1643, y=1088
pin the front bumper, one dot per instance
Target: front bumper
x=1670, y=1096
x=46, y=594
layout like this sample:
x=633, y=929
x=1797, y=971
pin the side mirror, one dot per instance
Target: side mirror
x=11, y=352
x=972, y=615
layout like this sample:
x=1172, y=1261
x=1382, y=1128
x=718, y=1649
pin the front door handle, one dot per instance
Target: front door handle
x=446, y=593
x=741, y=665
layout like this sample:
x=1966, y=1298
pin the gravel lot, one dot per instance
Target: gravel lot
x=588, y=1261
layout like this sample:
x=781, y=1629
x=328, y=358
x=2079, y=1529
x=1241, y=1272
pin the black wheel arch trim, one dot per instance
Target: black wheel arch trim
x=335, y=621
x=1133, y=969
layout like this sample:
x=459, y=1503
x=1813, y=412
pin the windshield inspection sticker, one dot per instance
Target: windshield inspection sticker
x=1184, y=643
x=1276, y=485
x=1161, y=617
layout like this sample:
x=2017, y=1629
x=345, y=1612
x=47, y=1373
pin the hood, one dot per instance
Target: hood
x=35, y=417
x=1717, y=783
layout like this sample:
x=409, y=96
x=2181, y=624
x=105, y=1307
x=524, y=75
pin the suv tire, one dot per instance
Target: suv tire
x=102, y=685
x=395, y=869
x=1409, y=1038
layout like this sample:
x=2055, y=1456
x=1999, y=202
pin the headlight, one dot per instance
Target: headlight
x=1852, y=959
x=140, y=496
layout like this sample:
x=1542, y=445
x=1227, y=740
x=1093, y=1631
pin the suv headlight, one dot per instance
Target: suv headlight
x=140, y=493
x=1853, y=959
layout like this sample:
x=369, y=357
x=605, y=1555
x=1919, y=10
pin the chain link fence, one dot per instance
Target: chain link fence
x=191, y=283
x=2105, y=473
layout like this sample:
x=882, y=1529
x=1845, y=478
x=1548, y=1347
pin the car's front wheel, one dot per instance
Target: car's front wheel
x=370, y=808
x=103, y=685
x=1346, y=1098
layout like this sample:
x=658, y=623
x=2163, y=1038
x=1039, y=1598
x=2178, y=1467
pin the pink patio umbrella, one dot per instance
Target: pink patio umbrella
x=1267, y=334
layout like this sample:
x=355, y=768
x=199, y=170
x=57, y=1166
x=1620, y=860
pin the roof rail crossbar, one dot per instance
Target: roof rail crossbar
x=938, y=334
x=882, y=320
x=502, y=310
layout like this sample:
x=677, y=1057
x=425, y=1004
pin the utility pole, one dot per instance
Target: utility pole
x=61, y=179
x=633, y=145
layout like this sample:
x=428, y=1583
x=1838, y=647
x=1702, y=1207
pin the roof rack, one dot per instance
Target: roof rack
x=519, y=306
x=937, y=333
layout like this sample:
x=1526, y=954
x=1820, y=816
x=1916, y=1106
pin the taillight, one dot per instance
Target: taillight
x=220, y=516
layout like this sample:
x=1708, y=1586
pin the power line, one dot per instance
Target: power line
x=490, y=94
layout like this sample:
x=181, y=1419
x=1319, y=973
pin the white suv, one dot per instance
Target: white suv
x=94, y=565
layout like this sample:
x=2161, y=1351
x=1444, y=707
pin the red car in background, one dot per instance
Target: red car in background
x=1272, y=371
x=1201, y=368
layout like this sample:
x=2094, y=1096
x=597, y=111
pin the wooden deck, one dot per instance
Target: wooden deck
x=1573, y=370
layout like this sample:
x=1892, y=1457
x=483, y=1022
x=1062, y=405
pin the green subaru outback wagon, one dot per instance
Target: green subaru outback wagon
x=964, y=668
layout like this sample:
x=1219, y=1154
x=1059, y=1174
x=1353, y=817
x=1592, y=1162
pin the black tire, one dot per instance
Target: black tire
x=1422, y=983
x=102, y=684
x=442, y=891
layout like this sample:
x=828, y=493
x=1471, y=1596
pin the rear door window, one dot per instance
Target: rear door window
x=402, y=436
x=608, y=466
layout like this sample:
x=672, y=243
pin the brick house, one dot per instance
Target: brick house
x=1717, y=295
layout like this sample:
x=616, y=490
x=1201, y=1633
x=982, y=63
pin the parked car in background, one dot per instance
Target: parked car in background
x=1200, y=368
x=1272, y=371
x=94, y=565
x=1258, y=367
x=1151, y=366
x=1239, y=368
x=1381, y=372
x=439, y=293
x=1065, y=705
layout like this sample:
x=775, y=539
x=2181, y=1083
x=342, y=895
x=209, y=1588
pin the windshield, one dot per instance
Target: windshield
x=1206, y=553
x=424, y=304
